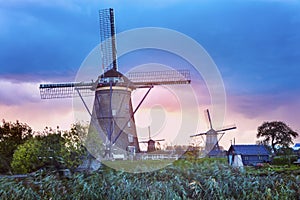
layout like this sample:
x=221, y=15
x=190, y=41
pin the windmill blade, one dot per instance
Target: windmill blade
x=159, y=140
x=66, y=90
x=202, y=138
x=209, y=119
x=149, y=132
x=108, y=40
x=168, y=77
x=143, y=141
x=198, y=134
x=222, y=134
x=226, y=129
x=217, y=143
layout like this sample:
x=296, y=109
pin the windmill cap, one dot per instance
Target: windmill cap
x=116, y=76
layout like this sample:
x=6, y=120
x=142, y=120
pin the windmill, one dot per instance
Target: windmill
x=151, y=142
x=112, y=115
x=212, y=140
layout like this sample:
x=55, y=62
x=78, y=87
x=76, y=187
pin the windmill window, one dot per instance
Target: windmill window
x=114, y=112
x=129, y=124
x=130, y=137
x=104, y=80
x=131, y=149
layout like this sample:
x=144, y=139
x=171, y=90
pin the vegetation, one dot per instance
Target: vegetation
x=197, y=179
x=276, y=133
x=27, y=157
x=55, y=149
x=42, y=155
x=25, y=151
x=284, y=160
x=11, y=136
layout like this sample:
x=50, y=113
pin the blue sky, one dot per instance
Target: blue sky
x=254, y=43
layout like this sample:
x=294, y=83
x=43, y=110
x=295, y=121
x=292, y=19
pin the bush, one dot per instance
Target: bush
x=284, y=160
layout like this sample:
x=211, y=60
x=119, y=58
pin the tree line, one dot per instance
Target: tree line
x=23, y=151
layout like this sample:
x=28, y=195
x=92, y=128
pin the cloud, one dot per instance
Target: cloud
x=38, y=115
x=74, y=5
x=249, y=112
x=254, y=105
x=18, y=93
x=21, y=101
x=44, y=39
x=255, y=47
x=57, y=35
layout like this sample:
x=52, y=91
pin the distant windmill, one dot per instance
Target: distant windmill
x=151, y=142
x=113, y=115
x=212, y=141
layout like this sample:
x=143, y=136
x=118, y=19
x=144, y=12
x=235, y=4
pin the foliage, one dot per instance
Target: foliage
x=26, y=157
x=183, y=180
x=38, y=152
x=284, y=160
x=53, y=148
x=11, y=136
x=93, y=142
x=276, y=133
x=74, y=149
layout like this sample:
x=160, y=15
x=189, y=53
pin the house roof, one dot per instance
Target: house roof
x=297, y=145
x=215, y=152
x=249, y=149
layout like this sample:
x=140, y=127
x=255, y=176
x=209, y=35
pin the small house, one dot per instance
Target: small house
x=296, y=147
x=296, y=150
x=250, y=154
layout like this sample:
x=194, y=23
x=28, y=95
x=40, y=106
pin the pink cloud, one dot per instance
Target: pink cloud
x=250, y=111
x=21, y=101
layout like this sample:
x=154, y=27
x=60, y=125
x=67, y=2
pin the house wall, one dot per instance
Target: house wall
x=254, y=159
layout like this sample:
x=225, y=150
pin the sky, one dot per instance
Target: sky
x=254, y=44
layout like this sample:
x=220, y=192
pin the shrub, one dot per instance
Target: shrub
x=284, y=160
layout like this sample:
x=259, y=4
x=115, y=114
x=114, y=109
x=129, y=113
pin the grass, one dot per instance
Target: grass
x=183, y=179
x=138, y=166
x=275, y=169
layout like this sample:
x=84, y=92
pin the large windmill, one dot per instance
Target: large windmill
x=112, y=115
x=151, y=142
x=212, y=139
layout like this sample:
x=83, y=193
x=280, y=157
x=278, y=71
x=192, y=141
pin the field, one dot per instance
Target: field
x=183, y=179
x=138, y=166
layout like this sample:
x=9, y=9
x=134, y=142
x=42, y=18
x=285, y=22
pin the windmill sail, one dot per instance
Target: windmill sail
x=139, y=79
x=226, y=129
x=209, y=119
x=66, y=90
x=168, y=77
x=108, y=40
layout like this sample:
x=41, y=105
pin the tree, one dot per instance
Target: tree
x=74, y=149
x=11, y=136
x=276, y=133
x=40, y=151
x=27, y=157
x=52, y=149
